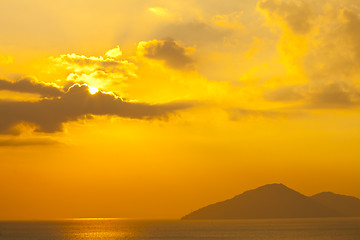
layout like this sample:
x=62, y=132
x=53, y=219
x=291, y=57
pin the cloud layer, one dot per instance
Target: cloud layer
x=297, y=14
x=171, y=52
x=30, y=85
x=298, y=54
x=21, y=142
x=48, y=115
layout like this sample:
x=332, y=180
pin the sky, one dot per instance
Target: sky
x=152, y=109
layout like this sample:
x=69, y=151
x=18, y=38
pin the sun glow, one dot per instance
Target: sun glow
x=93, y=90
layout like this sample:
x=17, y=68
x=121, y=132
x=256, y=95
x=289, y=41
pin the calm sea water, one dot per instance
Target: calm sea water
x=295, y=229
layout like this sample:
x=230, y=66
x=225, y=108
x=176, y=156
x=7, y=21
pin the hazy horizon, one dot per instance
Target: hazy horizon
x=153, y=109
x=94, y=218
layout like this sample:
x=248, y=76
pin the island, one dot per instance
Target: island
x=278, y=201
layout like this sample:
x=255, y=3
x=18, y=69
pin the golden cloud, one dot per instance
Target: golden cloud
x=232, y=20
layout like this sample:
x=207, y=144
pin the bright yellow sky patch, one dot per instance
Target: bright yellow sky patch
x=162, y=12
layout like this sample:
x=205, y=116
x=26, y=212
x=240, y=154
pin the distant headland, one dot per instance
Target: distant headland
x=279, y=201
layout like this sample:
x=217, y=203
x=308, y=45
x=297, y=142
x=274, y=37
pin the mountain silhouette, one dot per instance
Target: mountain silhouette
x=269, y=201
x=345, y=205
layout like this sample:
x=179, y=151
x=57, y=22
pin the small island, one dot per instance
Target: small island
x=278, y=201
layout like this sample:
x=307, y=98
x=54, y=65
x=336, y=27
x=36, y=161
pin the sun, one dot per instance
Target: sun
x=93, y=90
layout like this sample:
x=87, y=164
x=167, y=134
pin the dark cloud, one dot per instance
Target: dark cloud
x=337, y=54
x=331, y=95
x=350, y=32
x=170, y=52
x=285, y=94
x=297, y=14
x=239, y=113
x=13, y=142
x=48, y=115
x=30, y=85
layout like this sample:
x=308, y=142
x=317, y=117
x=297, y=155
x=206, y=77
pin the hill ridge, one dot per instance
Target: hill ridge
x=348, y=206
x=269, y=201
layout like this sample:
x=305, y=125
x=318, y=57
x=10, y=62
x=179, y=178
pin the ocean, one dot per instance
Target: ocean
x=287, y=229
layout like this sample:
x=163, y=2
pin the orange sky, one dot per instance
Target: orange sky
x=151, y=109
